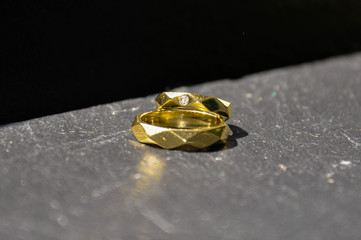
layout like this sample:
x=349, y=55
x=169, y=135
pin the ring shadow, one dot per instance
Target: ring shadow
x=237, y=133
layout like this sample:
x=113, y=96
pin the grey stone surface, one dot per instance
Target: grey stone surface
x=291, y=169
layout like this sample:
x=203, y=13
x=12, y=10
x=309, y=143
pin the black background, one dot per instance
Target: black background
x=63, y=55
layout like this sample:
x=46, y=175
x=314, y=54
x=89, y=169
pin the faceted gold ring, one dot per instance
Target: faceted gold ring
x=195, y=102
x=175, y=124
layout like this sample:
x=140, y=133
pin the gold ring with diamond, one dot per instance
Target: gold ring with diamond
x=193, y=101
x=184, y=120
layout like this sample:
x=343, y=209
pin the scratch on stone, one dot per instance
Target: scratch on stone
x=158, y=221
x=29, y=128
x=72, y=115
x=105, y=189
x=357, y=144
x=102, y=139
x=81, y=129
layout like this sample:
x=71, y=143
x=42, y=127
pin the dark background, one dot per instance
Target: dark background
x=58, y=56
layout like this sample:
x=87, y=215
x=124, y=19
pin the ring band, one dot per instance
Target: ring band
x=175, y=128
x=184, y=120
x=195, y=102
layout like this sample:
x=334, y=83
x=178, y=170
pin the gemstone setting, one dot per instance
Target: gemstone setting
x=191, y=101
x=184, y=100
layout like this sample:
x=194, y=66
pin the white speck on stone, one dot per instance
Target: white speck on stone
x=330, y=174
x=248, y=95
x=62, y=220
x=137, y=176
x=334, y=165
x=184, y=100
x=282, y=167
x=345, y=163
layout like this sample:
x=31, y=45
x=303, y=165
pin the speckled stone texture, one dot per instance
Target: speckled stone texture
x=290, y=170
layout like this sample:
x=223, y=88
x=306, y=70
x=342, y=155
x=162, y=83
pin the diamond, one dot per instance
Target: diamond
x=184, y=100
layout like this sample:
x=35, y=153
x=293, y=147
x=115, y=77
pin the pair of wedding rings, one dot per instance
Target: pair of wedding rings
x=184, y=120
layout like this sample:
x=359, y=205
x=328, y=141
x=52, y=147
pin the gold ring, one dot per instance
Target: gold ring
x=181, y=125
x=195, y=102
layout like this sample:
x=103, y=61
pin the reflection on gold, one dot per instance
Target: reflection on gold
x=149, y=172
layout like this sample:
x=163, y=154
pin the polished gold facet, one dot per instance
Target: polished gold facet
x=175, y=128
x=191, y=101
